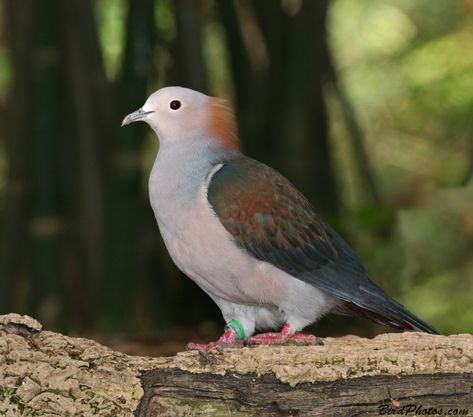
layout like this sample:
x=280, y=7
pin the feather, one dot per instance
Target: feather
x=223, y=123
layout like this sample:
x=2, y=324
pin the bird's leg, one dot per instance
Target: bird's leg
x=230, y=338
x=286, y=335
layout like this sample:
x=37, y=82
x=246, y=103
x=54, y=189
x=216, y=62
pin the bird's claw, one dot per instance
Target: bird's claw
x=227, y=340
x=205, y=348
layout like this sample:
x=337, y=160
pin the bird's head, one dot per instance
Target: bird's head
x=177, y=113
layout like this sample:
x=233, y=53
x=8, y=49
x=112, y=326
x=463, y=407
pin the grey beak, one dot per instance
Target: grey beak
x=140, y=114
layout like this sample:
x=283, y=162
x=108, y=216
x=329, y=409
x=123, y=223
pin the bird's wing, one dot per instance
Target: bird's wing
x=270, y=219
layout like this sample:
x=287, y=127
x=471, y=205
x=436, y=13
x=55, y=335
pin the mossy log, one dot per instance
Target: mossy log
x=48, y=374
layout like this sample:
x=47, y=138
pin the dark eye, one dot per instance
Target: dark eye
x=175, y=104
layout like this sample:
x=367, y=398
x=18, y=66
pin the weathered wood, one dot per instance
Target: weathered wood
x=48, y=374
x=172, y=392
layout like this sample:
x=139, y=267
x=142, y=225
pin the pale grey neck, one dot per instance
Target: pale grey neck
x=182, y=166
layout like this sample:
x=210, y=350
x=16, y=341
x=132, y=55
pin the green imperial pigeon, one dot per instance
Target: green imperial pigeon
x=246, y=235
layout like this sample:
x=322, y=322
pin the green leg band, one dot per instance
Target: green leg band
x=236, y=325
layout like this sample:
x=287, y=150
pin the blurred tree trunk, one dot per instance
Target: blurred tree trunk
x=295, y=137
x=469, y=170
x=125, y=203
x=247, y=80
x=189, y=59
x=48, y=222
x=273, y=24
x=355, y=133
x=90, y=116
x=311, y=159
x=20, y=20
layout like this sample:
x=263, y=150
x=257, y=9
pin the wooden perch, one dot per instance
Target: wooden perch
x=48, y=374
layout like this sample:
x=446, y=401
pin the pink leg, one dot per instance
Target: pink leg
x=286, y=335
x=227, y=340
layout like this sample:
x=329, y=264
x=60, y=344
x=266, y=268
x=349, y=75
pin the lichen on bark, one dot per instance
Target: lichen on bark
x=48, y=374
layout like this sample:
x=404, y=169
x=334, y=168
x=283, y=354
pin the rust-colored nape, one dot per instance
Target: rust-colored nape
x=223, y=123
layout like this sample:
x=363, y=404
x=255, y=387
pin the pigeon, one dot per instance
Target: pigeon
x=246, y=236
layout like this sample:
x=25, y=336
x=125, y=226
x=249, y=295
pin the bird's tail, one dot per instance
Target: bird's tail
x=391, y=314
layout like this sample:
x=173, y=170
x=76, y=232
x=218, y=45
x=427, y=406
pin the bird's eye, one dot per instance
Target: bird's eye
x=175, y=105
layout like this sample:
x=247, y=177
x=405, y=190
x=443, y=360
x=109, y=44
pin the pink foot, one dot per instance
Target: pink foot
x=284, y=336
x=227, y=340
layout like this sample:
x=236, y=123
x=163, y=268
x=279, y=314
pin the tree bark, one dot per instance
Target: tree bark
x=47, y=374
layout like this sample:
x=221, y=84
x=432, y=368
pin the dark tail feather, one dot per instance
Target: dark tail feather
x=394, y=315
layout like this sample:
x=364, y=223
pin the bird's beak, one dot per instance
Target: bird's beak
x=135, y=116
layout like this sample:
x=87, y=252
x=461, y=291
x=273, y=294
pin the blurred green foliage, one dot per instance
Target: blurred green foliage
x=408, y=67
